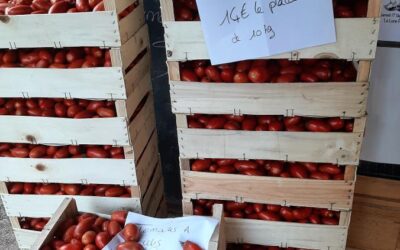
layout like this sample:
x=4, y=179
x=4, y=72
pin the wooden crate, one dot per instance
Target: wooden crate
x=283, y=234
x=69, y=207
x=356, y=38
x=101, y=29
x=151, y=203
x=132, y=88
x=376, y=212
x=26, y=238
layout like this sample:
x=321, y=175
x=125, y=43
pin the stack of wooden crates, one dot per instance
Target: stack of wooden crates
x=356, y=41
x=133, y=129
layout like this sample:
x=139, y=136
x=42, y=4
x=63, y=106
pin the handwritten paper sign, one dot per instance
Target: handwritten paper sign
x=390, y=21
x=163, y=234
x=247, y=29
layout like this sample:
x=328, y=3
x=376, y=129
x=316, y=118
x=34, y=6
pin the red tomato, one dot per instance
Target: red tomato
x=302, y=213
x=232, y=125
x=225, y=162
x=240, y=78
x=119, y=216
x=102, y=239
x=275, y=168
x=253, y=172
x=314, y=219
x=243, y=66
x=237, y=214
x=130, y=245
x=234, y=206
x=298, y=171
x=322, y=73
x=274, y=208
x=266, y=119
x=317, y=125
x=201, y=165
x=216, y=123
x=131, y=232
x=330, y=221
x=190, y=246
x=258, y=207
x=249, y=124
x=330, y=169
x=312, y=167
x=291, y=121
x=287, y=214
x=259, y=75
x=188, y=75
x=275, y=126
x=267, y=215
x=245, y=165
x=227, y=75
x=336, y=123
x=308, y=77
x=319, y=176
x=213, y=73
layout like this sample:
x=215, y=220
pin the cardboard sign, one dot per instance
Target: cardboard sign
x=163, y=234
x=390, y=21
x=237, y=30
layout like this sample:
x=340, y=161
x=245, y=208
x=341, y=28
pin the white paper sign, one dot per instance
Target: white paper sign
x=237, y=30
x=163, y=234
x=390, y=21
x=382, y=141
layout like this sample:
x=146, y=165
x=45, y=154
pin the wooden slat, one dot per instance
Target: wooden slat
x=137, y=73
x=91, y=83
x=167, y=10
x=217, y=241
x=154, y=194
x=117, y=5
x=25, y=238
x=139, y=92
x=147, y=163
x=45, y=130
x=303, y=99
x=356, y=39
x=162, y=211
x=68, y=171
x=337, y=148
x=132, y=48
x=334, y=195
x=131, y=23
x=93, y=29
x=67, y=209
x=285, y=234
x=142, y=126
x=38, y=206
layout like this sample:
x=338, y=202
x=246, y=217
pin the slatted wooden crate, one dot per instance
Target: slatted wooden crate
x=151, y=202
x=70, y=207
x=356, y=38
x=284, y=234
x=100, y=29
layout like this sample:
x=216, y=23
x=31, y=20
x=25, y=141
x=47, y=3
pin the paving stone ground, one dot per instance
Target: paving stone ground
x=7, y=239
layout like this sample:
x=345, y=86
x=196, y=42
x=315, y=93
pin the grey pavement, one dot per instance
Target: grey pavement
x=7, y=239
